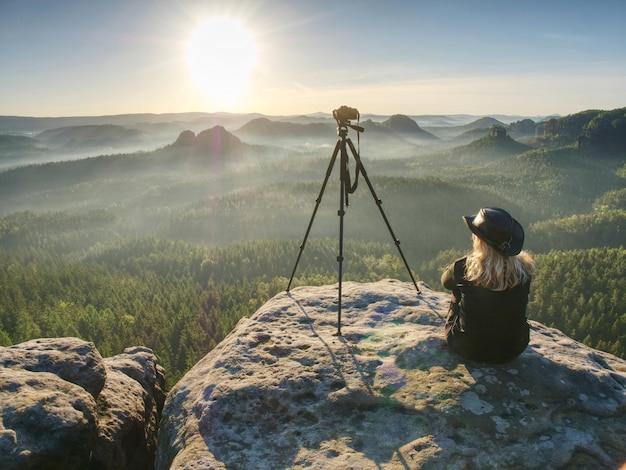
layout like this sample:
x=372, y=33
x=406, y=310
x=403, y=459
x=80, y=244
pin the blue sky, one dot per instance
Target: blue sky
x=532, y=58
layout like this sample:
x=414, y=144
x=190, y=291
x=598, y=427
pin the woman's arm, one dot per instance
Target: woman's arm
x=447, y=278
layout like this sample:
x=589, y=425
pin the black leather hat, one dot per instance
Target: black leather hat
x=496, y=227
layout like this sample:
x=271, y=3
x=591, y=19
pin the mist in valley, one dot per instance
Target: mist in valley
x=249, y=177
x=262, y=184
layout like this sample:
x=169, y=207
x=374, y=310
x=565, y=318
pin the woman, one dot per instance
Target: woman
x=490, y=286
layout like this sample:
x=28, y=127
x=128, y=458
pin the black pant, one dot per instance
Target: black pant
x=490, y=347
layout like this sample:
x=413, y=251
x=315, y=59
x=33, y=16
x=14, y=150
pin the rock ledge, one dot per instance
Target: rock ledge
x=282, y=392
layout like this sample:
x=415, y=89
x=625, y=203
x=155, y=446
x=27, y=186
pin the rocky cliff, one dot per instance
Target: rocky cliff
x=62, y=406
x=282, y=392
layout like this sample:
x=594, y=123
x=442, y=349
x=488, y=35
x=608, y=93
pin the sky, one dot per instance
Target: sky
x=285, y=57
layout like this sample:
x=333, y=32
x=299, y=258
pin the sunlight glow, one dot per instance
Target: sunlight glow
x=221, y=56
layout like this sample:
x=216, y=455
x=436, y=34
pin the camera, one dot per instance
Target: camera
x=345, y=114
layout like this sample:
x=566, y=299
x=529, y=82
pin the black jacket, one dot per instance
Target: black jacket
x=485, y=325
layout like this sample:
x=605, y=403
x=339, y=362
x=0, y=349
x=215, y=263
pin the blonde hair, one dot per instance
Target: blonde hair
x=485, y=267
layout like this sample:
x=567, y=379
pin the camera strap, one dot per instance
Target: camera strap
x=352, y=188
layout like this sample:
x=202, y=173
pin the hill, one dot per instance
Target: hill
x=493, y=145
x=400, y=127
x=264, y=127
x=122, y=175
x=108, y=136
x=405, y=125
x=497, y=144
x=483, y=123
x=602, y=226
x=475, y=128
x=216, y=141
x=15, y=144
x=20, y=150
x=596, y=132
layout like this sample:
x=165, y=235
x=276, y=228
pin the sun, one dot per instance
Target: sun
x=221, y=55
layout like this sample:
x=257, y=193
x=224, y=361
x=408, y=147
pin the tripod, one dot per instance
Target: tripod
x=345, y=189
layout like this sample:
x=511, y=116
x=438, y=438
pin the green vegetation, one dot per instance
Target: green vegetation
x=170, y=249
x=177, y=298
x=583, y=293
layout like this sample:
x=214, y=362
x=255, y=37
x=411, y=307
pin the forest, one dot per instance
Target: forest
x=170, y=248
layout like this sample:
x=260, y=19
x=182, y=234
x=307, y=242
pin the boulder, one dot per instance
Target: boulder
x=45, y=422
x=129, y=409
x=282, y=391
x=63, y=406
x=72, y=359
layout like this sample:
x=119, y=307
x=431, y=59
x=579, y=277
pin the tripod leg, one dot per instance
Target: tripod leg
x=317, y=204
x=342, y=203
x=379, y=203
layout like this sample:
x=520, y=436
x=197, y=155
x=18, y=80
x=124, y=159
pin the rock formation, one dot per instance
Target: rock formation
x=63, y=406
x=282, y=392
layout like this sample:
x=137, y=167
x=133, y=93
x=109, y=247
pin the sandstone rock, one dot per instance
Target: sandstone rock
x=282, y=392
x=140, y=363
x=72, y=359
x=57, y=410
x=129, y=409
x=45, y=422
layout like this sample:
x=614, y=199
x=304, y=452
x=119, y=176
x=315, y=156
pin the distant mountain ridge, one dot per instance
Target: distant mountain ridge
x=33, y=125
x=107, y=135
x=595, y=132
x=397, y=124
x=17, y=143
x=30, y=124
x=16, y=149
x=265, y=127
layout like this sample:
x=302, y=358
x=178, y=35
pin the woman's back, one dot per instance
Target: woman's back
x=490, y=289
